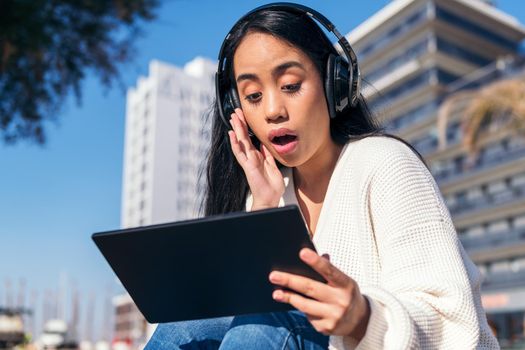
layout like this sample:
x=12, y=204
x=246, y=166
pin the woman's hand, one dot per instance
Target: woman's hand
x=264, y=178
x=333, y=308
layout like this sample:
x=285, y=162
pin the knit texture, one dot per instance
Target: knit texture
x=384, y=223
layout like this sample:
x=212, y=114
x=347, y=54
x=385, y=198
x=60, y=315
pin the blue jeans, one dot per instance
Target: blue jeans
x=279, y=330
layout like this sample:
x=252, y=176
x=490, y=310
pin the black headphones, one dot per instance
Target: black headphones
x=342, y=85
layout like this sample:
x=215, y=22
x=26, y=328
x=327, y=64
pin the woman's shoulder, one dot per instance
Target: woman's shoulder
x=379, y=149
x=384, y=143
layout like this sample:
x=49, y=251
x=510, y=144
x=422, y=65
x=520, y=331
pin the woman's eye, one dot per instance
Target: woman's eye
x=253, y=97
x=292, y=87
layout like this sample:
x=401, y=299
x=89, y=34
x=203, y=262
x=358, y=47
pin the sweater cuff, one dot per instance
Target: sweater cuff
x=389, y=325
x=377, y=327
x=375, y=331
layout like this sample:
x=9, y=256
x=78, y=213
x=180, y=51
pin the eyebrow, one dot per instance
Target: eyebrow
x=276, y=71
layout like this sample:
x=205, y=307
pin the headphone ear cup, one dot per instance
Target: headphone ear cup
x=234, y=98
x=342, y=90
x=228, y=103
x=235, y=102
x=329, y=85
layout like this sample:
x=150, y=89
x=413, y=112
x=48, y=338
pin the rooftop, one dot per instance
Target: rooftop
x=396, y=6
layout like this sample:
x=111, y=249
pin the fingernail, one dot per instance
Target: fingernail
x=277, y=294
x=306, y=253
x=275, y=277
x=326, y=256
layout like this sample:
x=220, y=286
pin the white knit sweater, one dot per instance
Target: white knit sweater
x=384, y=223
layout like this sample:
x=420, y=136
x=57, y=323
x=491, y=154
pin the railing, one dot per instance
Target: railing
x=507, y=279
x=423, y=112
x=489, y=200
x=426, y=146
x=492, y=240
x=482, y=163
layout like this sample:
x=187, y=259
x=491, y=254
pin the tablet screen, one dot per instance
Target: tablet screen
x=210, y=267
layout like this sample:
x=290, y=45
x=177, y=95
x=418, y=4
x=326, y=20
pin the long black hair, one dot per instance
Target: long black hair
x=227, y=187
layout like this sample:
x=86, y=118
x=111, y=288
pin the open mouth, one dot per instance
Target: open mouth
x=284, y=139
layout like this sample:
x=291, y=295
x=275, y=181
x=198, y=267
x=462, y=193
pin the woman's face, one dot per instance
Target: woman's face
x=282, y=98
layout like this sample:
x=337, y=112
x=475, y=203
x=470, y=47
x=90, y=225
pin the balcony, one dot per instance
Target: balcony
x=422, y=112
x=426, y=145
x=506, y=279
x=493, y=240
x=488, y=200
x=484, y=162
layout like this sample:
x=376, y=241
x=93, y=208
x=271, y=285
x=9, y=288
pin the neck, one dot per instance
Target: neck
x=312, y=178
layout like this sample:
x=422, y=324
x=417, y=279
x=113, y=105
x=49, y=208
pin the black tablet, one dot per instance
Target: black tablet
x=210, y=267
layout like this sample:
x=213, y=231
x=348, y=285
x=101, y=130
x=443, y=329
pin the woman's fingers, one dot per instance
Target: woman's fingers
x=306, y=286
x=236, y=148
x=268, y=156
x=311, y=307
x=240, y=114
x=324, y=267
x=241, y=129
x=241, y=133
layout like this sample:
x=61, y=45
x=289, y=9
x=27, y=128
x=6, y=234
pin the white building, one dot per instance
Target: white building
x=166, y=140
x=130, y=326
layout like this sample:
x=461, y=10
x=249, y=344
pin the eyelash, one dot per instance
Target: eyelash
x=291, y=89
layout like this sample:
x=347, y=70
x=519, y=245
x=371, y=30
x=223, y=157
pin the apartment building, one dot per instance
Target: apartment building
x=418, y=53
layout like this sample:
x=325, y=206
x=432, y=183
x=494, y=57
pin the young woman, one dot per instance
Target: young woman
x=300, y=133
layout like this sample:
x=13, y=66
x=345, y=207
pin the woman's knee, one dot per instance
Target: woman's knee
x=281, y=330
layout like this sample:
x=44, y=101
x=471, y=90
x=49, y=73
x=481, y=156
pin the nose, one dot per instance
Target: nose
x=274, y=108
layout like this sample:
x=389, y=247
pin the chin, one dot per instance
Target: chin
x=293, y=159
x=289, y=161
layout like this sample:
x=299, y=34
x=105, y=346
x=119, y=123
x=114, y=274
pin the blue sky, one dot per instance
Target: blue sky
x=52, y=198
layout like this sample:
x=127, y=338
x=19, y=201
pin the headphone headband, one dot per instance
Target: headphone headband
x=351, y=57
x=285, y=6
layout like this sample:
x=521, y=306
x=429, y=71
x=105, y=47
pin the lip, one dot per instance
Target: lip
x=285, y=148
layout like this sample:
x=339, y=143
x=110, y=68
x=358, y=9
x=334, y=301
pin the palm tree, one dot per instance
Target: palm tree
x=501, y=103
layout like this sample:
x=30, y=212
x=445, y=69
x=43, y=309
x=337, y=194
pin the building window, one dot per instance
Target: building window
x=413, y=84
x=519, y=222
x=461, y=198
x=412, y=52
x=413, y=116
x=498, y=226
x=518, y=181
x=459, y=52
x=474, y=28
x=475, y=231
x=404, y=26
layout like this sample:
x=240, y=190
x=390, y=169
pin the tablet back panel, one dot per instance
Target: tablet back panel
x=211, y=267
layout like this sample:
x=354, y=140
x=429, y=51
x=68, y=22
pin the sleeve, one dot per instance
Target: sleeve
x=249, y=202
x=428, y=294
